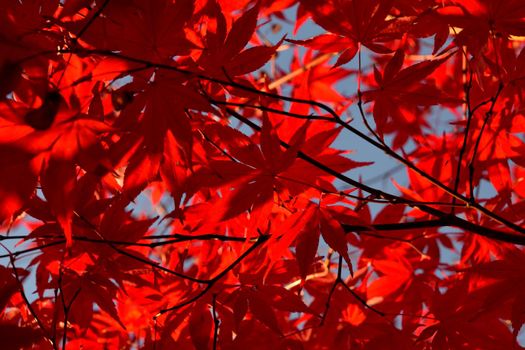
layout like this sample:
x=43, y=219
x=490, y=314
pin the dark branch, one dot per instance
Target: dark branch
x=211, y=283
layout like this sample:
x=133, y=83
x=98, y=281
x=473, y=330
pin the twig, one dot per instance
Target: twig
x=138, y=258
x=339, y=281
x=451, y=219
x=91, y=20
x=467, y=87
x=216, y=322
x=67, y=308
x=29, y=250
x=360, y=99
x=312, y=103
x=313, y=63
x=26, y=300
x=211, y=282
x=478, y=140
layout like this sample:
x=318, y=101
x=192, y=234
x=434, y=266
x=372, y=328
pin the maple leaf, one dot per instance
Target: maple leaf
x=224, y=53
x=459, y=316
x=159, y=114
x=330, y=43
x=479, y=18
x=153, y=31
x=354, y=22
x=398, y=93
x=316, y=84
x=17, y=181
x=305, y=229
x=255, y=175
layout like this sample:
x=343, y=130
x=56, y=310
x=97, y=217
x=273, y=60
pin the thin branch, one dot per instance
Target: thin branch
x=450, y=219
x=26, y=300
x=273, y=110
x=211, y=282
x=396, y=226
x=360, y=100
x=91, y=20
x=216, y=322
x=339, y=281
x=478, y=140
x=208, y=236
x=387, y=150
x=312, y=103
x=313, y=63
x=362, y=301
x=67, y=308
x=29, y=250
x=138, y=258
x=57, y=289
x=327, y=304
x=468, y=111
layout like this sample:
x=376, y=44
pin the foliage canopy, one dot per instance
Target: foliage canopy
x=171, y=175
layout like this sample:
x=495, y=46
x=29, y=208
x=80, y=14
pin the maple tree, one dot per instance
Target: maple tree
x=173, y=177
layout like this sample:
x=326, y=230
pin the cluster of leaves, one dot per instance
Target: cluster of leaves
x=112, y=107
